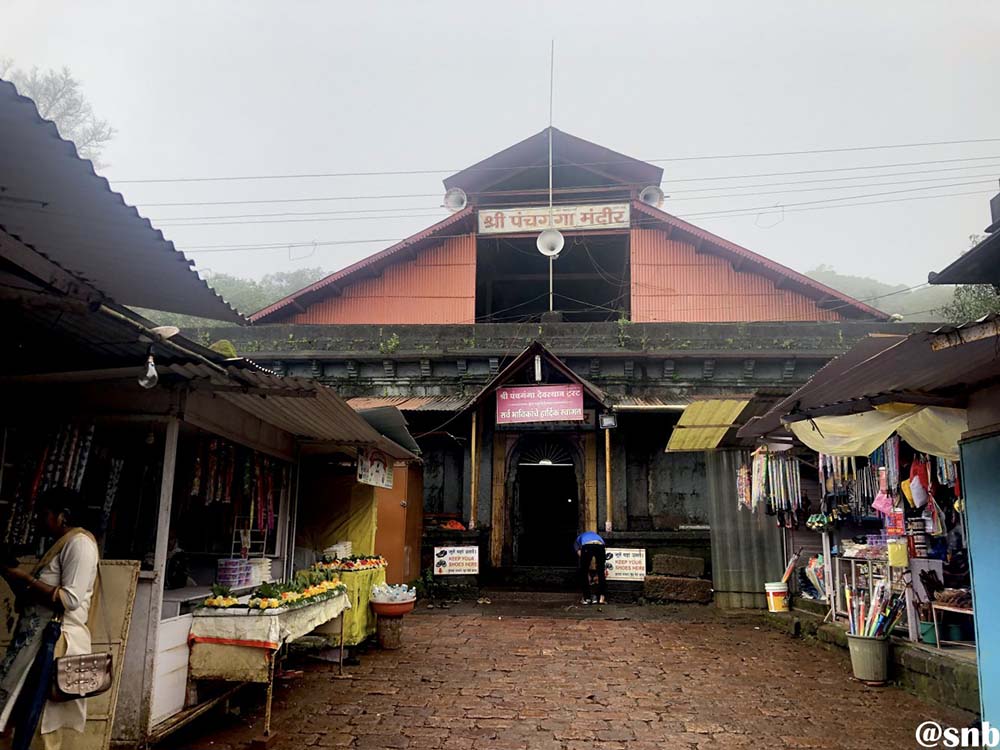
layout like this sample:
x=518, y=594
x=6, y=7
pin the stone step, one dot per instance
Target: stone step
x=677, y=589
x=676, y=565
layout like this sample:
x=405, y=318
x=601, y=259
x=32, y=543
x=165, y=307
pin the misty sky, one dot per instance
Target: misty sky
x=200, y=89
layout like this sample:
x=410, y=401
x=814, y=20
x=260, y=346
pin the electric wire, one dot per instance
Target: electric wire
x=485, y=168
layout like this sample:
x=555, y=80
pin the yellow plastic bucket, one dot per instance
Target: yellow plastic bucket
x=777, y=596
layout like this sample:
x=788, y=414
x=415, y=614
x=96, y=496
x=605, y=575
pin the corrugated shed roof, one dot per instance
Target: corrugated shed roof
x=980, y=265
x=304, y=408
x=807, y=286
x=54, y=202
x=369, y=265
x=865, y=349
x=704, y=423
x=411, y=403
x=932, y=367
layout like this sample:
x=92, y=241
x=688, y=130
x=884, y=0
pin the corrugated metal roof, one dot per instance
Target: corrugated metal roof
x=304, y=408
x=704, y=423
x=924, y=368
x=411, y=403
x=649, y=403
x=809, y=287
x=980, y=265
x=436, y=286
x=54, y=202
x=367, y=265
x=866, y=348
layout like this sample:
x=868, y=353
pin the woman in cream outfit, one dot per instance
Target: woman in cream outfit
x=54, y=603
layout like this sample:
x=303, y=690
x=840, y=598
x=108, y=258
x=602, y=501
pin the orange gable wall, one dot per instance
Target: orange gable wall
x=438, y=286
x=673, y=283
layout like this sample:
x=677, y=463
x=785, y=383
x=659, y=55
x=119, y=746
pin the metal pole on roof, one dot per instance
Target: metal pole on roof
x=552, y=69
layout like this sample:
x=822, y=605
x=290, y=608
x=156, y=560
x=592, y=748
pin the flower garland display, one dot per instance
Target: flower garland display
x=309, y=587
x=350, y=564
x=221, y=598
x=303, y=591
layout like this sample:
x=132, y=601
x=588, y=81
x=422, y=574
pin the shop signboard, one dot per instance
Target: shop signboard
x=374, y=468
x=625, y=564
x=537, y=218
x=456, y=561
x=524, y=404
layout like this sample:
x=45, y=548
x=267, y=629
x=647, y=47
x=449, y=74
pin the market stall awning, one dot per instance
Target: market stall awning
x=928, y=429
x=310, y=411
x=411, y=403
x=703, y=424
x=55, y=204
x=828, y=376
x=917, y=385
x=389, y=421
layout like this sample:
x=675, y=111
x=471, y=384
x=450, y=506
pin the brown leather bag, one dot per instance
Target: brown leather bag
x=84, y=675
x=81, y=676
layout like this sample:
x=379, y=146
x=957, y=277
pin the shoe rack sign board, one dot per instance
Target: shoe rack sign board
x=456, y=561
x=625, y=564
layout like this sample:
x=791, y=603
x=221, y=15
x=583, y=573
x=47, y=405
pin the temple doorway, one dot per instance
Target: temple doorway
x=546, y=516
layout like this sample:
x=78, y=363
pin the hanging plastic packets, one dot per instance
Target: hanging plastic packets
x=758, y=488
x=743, y=487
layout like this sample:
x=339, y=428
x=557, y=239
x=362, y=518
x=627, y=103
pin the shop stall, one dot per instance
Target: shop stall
x=199, y=482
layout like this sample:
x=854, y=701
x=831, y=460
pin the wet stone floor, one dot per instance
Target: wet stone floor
x=490, y=677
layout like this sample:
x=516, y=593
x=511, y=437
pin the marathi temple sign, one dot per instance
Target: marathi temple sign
x=539, y=403
x=536, y=218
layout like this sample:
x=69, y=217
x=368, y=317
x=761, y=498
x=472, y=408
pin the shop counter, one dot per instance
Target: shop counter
x=243, y=646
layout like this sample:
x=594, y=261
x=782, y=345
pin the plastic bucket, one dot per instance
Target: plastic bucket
x=927, y=633
x=777, y=596
x=869, y=658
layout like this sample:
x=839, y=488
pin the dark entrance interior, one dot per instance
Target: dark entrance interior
x=546, y=515
x=592, y=279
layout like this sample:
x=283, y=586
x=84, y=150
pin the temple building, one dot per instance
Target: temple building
x=546, y=404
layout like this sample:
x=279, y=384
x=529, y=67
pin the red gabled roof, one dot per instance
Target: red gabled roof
x=371, y=263
x=807, y=286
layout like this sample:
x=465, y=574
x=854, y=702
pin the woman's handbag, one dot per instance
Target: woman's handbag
x=85, y=675
x=81, y=676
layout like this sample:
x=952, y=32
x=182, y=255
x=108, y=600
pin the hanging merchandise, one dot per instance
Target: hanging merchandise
x=111, y=492
x=775, y=481
x=919, y=482
x=744, y=498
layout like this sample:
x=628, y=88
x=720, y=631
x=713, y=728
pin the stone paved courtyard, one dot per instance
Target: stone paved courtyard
x=636, y=678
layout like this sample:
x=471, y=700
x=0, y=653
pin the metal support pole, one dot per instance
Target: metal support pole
x=343, y=620
x=272, y=658
x=608, y=512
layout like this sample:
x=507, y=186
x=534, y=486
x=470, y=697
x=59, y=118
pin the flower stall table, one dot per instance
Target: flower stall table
x=242, y=646
x=360, y=621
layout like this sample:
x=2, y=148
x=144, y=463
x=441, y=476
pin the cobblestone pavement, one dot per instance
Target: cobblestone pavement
x=630, y=678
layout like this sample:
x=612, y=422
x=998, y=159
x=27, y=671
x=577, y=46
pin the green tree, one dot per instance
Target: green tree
x=915, y=305
x=59, y=98
x=970, y=302
x=246, y=295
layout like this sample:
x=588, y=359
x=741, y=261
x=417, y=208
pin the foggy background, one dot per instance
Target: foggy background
x=230, y=89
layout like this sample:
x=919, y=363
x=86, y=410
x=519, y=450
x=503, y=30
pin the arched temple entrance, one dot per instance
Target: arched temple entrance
x=545, y=481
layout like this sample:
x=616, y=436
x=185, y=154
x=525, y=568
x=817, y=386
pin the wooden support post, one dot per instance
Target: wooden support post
x=608, y=512
x=166, y=504
x=474, y=482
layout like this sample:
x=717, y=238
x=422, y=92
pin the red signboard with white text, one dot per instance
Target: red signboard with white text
x=522, y=404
